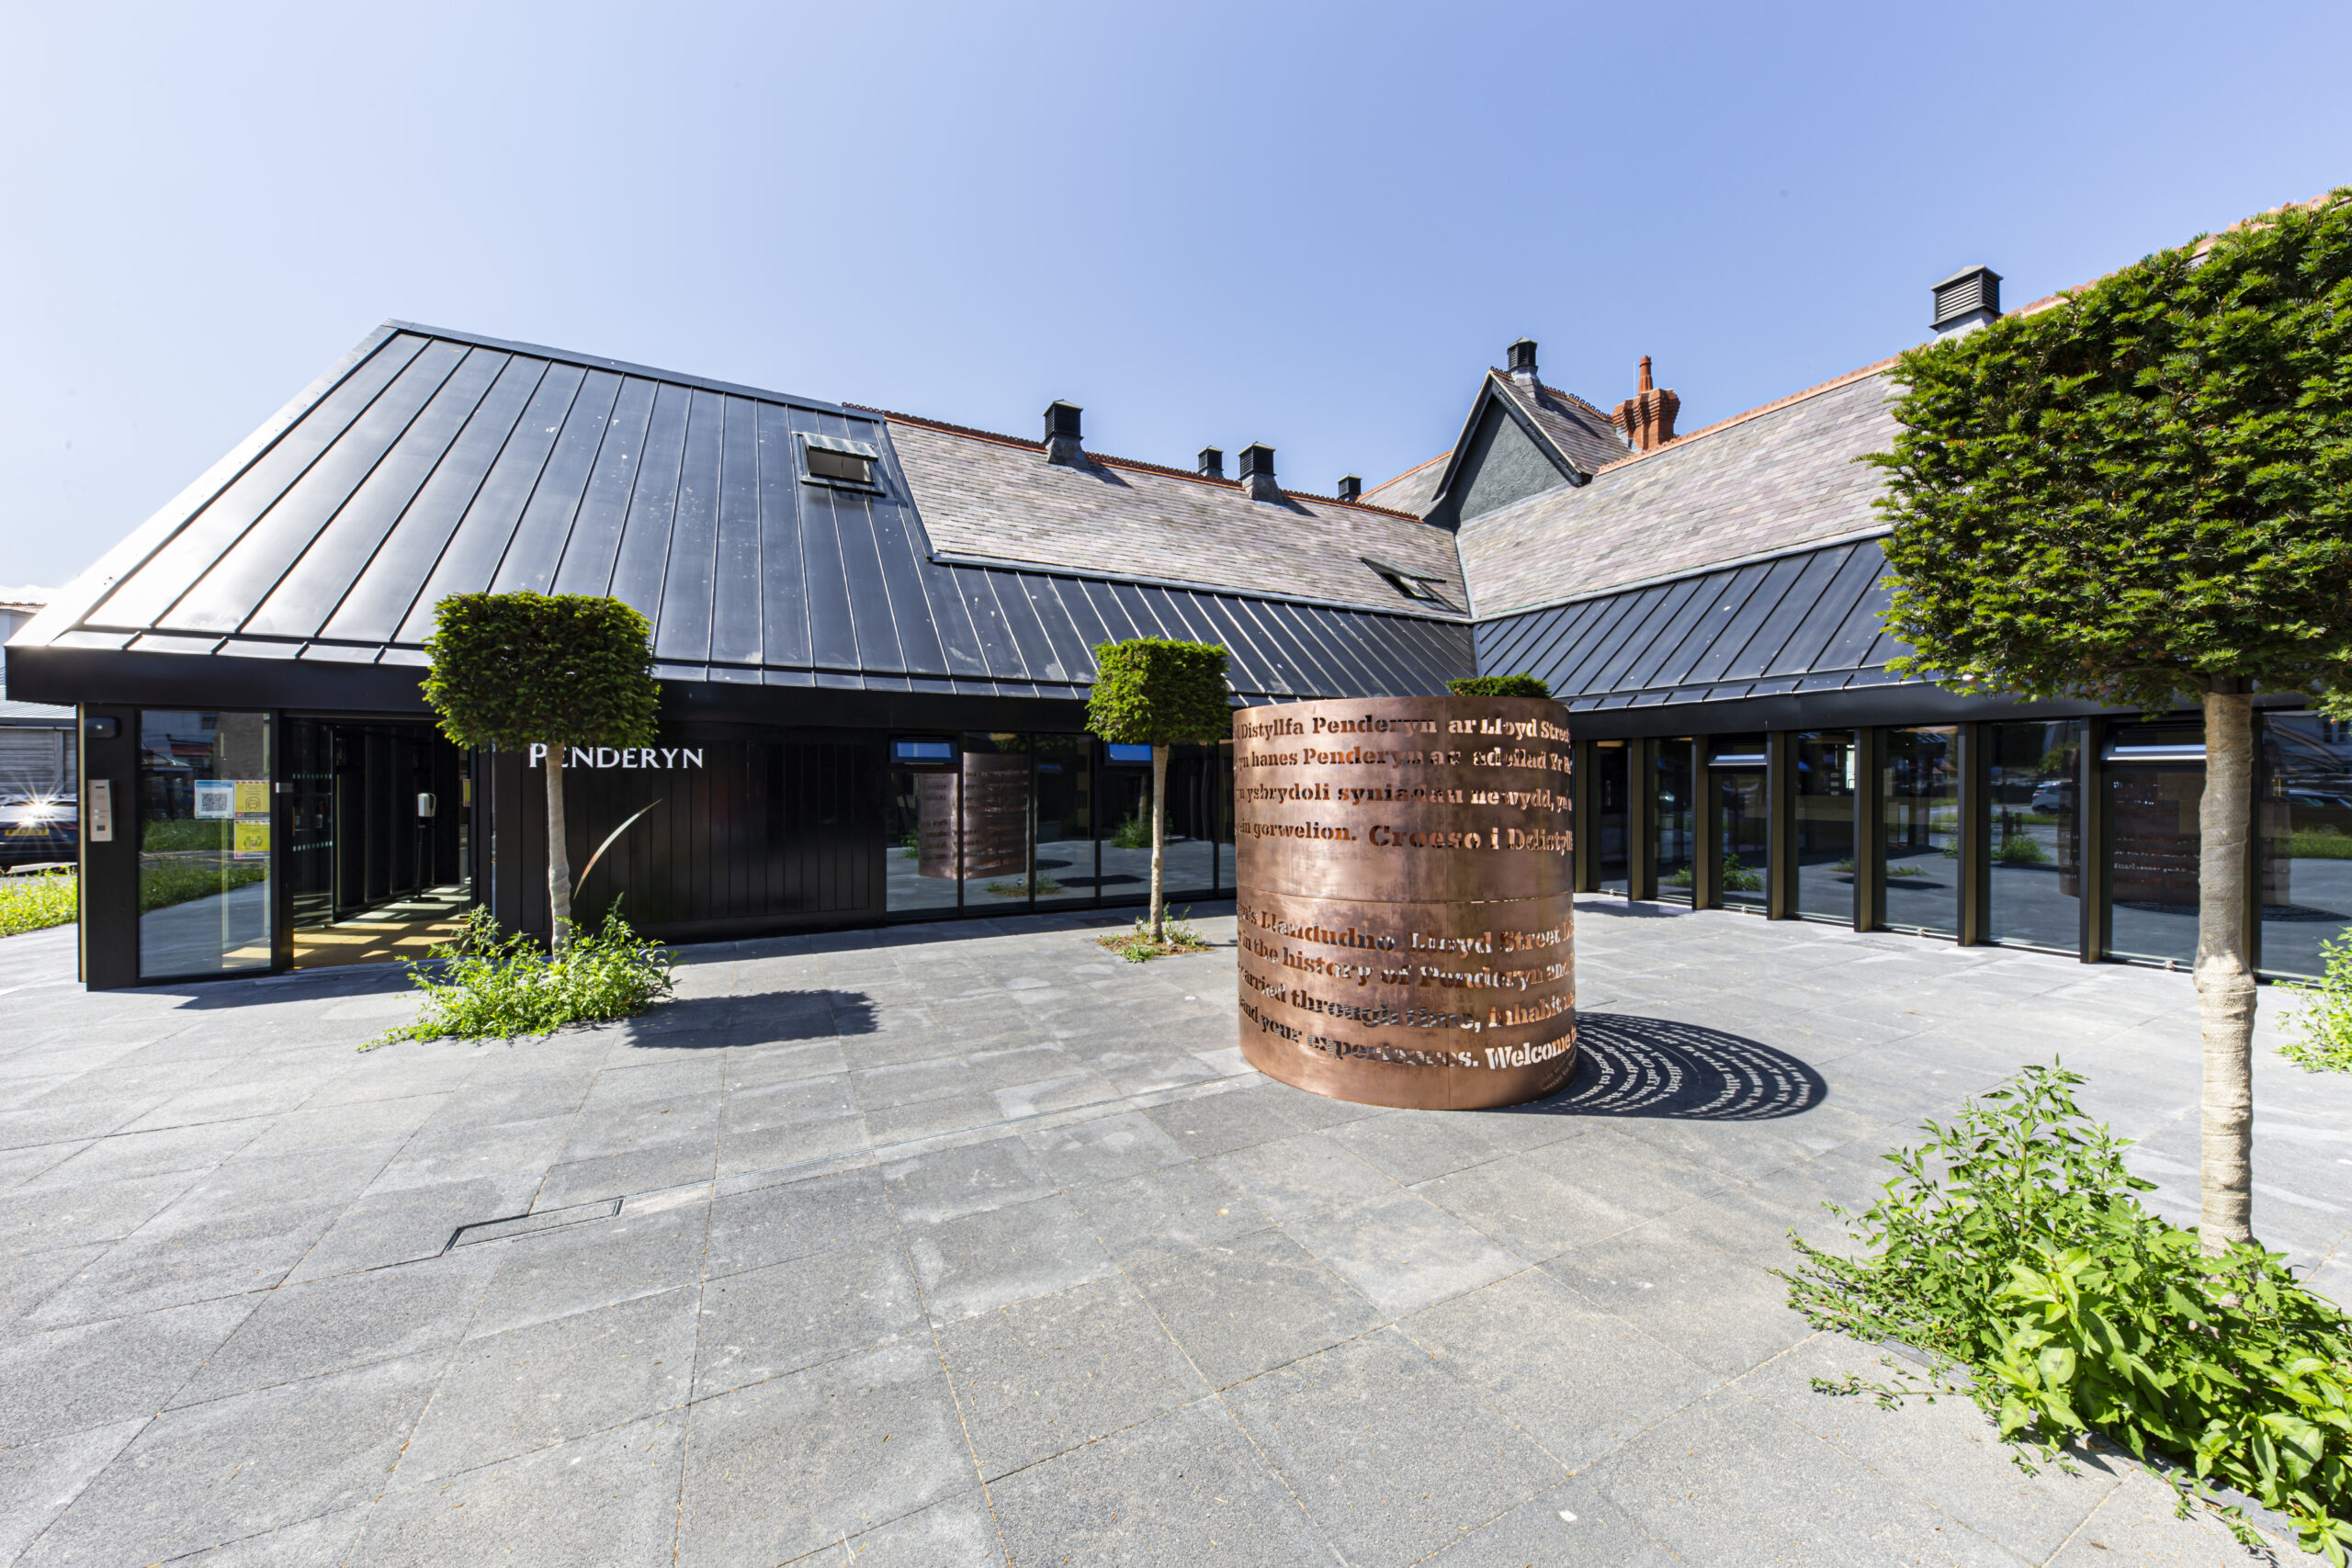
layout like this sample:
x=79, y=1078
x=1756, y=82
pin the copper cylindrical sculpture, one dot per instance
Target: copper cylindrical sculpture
x=1404, y=883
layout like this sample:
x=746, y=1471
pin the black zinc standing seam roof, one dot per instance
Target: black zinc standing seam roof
x=430, y=462
x=1806, y=620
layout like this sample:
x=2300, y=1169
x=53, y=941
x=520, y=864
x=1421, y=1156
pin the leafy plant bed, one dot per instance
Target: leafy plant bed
x=2012, y=1252
x=34, y=902
x=488, y=984
x=165, y=880
x=1137, y=946
x=2323, y=1022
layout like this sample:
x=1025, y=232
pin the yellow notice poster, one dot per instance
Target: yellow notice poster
x=253, y=798
x=253, y=841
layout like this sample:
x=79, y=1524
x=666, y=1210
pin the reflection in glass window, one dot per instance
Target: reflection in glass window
x=2153, y=839
x=1064, y=868
x=204, y=842
x=1920, y=799
x=1196, y=775
x=992, y=825
x=918, y=866
x=1610, y=798
x=1825, y=846
x=2037, y=875
x=1677, y=801
x=1736, y=772
x=2305, y=826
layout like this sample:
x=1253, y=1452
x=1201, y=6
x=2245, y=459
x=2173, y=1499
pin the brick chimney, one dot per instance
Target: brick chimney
x=1648, y=417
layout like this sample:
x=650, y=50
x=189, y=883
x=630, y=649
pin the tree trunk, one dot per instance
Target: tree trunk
x=2224, y=976
x=1159, y=838
x=558, y=856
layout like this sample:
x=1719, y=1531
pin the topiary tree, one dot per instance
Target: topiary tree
x=522, y=669
x=2143, y=495
x=1152, y=692
x=1499, y=686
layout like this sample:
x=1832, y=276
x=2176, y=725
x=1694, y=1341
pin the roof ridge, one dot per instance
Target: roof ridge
x=1416, y=469
x=1135, y=463
x=1799, y=396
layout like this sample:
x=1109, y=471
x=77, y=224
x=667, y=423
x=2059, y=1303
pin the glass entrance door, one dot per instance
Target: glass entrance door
x=1736, y=773
x=205, y=813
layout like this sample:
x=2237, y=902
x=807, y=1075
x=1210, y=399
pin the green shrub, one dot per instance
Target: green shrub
x=2324, y=1022
x=1737, y=878
x=2021, y=849
x=1047, y=889
x=1178, y=935
x=2012, y=1247
x=1135, y=833
x=1499, y=686
x=186, y=833
x=2319, y=843
x=31, y=902
x=165, y=880
x=496, y=984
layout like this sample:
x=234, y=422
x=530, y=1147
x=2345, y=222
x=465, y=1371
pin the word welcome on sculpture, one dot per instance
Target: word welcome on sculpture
x=1405, y=909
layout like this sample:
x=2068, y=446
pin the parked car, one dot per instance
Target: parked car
x=2054, y=795
x=38, y=828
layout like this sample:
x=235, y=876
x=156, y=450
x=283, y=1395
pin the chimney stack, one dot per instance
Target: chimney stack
x=1062, y=435
x=1523, y=363
x=1350, y=487
x=1258, y=472
x=1648, y=417
x=1212, y=462
x=1965, y=300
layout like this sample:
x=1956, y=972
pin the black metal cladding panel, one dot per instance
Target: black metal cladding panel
x=1808, y=621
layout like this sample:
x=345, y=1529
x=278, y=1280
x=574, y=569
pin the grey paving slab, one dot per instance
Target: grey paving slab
x=27, y=1278
x=309, y=1543
x=1393, y=1456
x=1725, y=1312
x=1401, y=1252
x=1537, y=1209
x=305, y=1330
x=947, y=1184
x=766, y=1323
x=385, y=1226
x=126, y=1156
x=1573, y=1523
x=1209, y=1124
x=999, y=1257
x=176, y=1259
x=1243, y=1308
x=40, y=1481
x=98, y=1372
x=1187, y=1487
x=1173, y=1208
x=219, y=1472
x=958, y=1533
x=777, y=1224
x=2136, y=1524
x=1297, y=1176
x=644, y=1250
x=609, y=1498
x=530, y=1388
x=1047, y=1374
x=1581, y=1382
x=1103, y=1148
x=866, y=1441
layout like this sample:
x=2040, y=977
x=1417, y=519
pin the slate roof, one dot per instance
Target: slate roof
x=995, y=498
x=1804, y=621
x=1765, y=482
x=1413, y=489
x=429, y=462
x=1587, y=437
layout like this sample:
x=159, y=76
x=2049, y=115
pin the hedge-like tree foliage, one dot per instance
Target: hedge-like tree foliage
x=1499, y=686
x=520, y=670
x=2143, y=495
x=1154, y=691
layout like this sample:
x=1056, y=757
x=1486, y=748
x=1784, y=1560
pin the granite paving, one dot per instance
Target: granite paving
x=878, y=1248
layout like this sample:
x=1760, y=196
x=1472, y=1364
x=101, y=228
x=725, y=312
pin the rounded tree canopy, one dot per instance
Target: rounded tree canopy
x=2143, y=490
x=1153, y=692
x=516, y=669
x=1499, y=686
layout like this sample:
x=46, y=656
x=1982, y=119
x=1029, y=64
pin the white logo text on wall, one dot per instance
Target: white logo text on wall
x=656, y=757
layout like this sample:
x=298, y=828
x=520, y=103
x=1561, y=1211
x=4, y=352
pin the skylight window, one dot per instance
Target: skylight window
x=831, y=459
x=1411, y=581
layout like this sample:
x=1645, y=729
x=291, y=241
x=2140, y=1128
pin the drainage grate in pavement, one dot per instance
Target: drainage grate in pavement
x=530, y=1225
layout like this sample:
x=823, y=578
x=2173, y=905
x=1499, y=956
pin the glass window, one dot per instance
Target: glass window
x=1192, y=817
x=2152, y=839
x=1736, y=771
x=1824, y=844
x=993, y=820
x=2034, y=833
x=1064, y=868
x=1609, y=799
x=1675, y=803
x=1224, y=812
x=919, y=867
x=1920, y=797
x=2306, y=840
x=1196, y=818
x=204, y=822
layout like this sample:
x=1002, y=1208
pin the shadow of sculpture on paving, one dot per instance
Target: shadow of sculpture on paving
x=1654, y=1066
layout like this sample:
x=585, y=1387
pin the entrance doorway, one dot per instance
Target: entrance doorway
x=376, y=863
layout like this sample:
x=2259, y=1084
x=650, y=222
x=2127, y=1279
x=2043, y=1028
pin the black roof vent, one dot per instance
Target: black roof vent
x=1350, y=487
x=1258, y=472
x=1062, y=434
x=1522, y=358
x=1969, y=298
x=1212, y=462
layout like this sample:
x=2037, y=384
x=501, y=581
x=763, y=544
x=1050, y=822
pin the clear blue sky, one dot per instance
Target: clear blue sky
x=1308, y=225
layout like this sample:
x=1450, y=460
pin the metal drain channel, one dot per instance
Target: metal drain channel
x=531, y=1224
